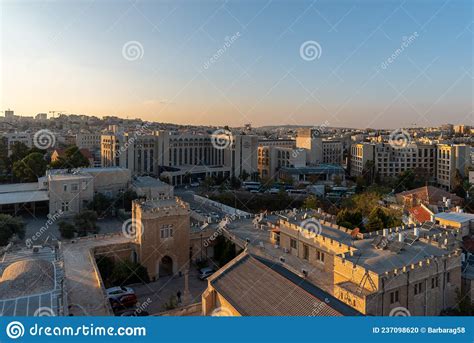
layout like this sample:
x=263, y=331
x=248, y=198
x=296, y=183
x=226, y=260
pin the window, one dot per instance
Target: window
x=448, y=277
x=65, y=207
x=434, y=282
x=393, y=297
x=166, y=231
x=305, y=252
x=418, y=288
x=320, y=256
x=293, y=243
x=65, y=188
x=74, y=187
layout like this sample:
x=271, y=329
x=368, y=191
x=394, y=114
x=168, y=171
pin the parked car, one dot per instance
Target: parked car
x=204, y=273
x=119, y=291
x=194, y=184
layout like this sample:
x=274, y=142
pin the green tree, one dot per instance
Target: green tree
x=73, y=158
x=244, y=175
x=349, y=219
x=127, y=272
x=311, y=202
x=66, y=230
x=10, y=226
x=101, y=204
x=124, y=200
x=30, y=168
x=85, y=222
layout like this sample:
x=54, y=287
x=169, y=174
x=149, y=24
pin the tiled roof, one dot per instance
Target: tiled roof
x=420, y=214
x=257, y=287
x=431, y=194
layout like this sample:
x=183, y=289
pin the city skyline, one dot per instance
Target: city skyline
x=380, y=66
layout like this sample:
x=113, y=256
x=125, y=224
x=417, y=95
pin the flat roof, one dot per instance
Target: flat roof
x=23, y=197
x=455, y=216
x=148, y=181
x=19, y=187
x=380, y=261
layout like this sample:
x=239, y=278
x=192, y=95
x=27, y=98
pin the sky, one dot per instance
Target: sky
x=345, y=63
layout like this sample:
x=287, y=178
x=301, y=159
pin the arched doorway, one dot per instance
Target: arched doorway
x=166, y=266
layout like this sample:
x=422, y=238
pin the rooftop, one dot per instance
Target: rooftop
x=455, y=216
x=382, y=260
x=31, y=281
x=257, y=287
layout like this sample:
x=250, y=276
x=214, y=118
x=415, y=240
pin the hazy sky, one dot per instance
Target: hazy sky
x=72, y=56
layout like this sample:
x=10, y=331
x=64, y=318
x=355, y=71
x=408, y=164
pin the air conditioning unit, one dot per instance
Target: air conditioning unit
x=286, y=250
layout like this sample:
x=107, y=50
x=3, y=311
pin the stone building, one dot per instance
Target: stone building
x=414, y=268
x=162, y=235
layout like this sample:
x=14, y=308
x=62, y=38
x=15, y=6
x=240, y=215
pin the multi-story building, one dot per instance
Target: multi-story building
x=439, y=161
x=162, y=235
x=284, y=143
x=89, y=141
x=361, y=153
x=41, y=116
x=379, y=272
x=272, y=158
x=451, y=158
x=18, y=137
x=180, y=157
x=319, y=150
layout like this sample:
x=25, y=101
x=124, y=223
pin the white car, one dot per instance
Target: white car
x=118, y=292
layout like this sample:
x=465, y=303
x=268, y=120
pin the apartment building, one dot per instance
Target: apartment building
x=272, y=158
x=449, y=159
x=89, y=141
x=18, y=137
x=319, y=149
x=283, y=143
x=439, y=161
